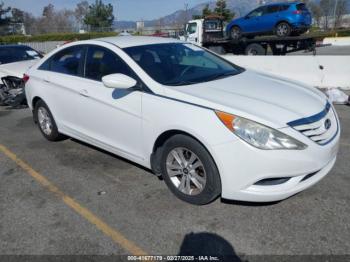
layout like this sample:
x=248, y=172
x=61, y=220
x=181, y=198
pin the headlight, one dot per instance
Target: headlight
x=259, y=135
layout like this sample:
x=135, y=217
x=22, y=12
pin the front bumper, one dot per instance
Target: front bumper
x=242, y=166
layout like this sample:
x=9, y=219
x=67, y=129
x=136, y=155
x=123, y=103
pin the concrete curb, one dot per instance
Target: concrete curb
x=337, y=41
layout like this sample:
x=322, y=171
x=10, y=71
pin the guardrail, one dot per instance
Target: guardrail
x=317, y=71
x=337, y=41
x=44, y=47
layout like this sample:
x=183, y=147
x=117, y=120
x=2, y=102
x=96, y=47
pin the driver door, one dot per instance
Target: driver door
x=253, y=21
x=193, y=33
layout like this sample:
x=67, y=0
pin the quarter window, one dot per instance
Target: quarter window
x=101, y=62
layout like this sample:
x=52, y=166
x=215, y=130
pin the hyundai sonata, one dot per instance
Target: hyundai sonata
x=208, y=127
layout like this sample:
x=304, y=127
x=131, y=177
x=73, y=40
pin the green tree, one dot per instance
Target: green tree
x=17, y=15
x=222, y=10
x=99, y=16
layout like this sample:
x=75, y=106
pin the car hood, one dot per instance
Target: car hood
x=17, y=69
x=238, y=20
x=260, y=97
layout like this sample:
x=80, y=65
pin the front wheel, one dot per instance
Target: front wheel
x=283, y=29
x=236, y=33
x=189, y=171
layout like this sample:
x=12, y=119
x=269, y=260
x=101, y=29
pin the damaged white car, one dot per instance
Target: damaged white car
x=15, y=60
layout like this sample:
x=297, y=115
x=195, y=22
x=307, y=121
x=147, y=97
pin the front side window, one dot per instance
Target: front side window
x=257, y=12
x=180, y=64
x=192, y=28
x=68, y=61
x=101, y=62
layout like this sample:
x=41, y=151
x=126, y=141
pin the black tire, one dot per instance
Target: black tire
x=255, y=49
x=212, y=188
x=235, y=33
x=283, y=29
x=54, y=135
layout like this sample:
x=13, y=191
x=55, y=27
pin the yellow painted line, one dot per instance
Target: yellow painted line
x=116, y=236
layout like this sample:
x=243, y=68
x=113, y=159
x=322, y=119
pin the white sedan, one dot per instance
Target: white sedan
x=207, y=126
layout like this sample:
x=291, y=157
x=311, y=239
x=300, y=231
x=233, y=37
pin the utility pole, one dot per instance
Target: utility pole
x=186, y=12
x=335, y=13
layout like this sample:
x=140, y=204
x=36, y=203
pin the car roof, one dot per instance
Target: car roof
x=131, y=41
x=283, y=3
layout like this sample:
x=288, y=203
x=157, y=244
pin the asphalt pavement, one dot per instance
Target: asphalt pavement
x=68, y=198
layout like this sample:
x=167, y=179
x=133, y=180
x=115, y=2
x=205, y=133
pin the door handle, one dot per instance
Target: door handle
x=46, y=81
x=84, y=93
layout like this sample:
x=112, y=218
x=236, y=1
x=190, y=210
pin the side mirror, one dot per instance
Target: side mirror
x=119, y=81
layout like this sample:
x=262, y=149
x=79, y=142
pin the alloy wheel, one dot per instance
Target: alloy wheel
x=282, y=29
x=186, y=171
x=44, y=120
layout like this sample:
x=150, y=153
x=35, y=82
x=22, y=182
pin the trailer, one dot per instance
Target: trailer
x=210, y=33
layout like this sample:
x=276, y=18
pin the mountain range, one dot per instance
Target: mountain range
x=239, y=7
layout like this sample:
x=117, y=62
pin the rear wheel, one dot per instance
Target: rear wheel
x=189, y=171
x=46, y=122
x=255, y=49
x=283, y=29
x=236, y=33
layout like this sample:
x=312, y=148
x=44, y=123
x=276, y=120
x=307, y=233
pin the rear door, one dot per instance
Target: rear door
x=60, y=78
x=271, y=17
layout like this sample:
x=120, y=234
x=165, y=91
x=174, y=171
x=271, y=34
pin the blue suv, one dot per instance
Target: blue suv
x=281, y=19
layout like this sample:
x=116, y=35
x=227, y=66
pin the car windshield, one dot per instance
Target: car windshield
x=17, y=53
x=176, y=64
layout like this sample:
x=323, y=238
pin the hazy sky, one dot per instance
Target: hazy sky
x=124, y=9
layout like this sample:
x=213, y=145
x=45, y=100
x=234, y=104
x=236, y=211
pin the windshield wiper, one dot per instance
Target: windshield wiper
x=180, y=83
x=221, y=75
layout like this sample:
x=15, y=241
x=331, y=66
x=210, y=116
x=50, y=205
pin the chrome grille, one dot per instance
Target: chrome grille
x=321, y=128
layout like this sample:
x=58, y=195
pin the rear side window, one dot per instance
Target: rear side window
x=284, y=7
x=272, y=9
x=301, y=7
x=68, y=61
x=101, y=62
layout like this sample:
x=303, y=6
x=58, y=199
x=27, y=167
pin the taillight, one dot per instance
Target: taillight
x=297, y=12
x=25, y=78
